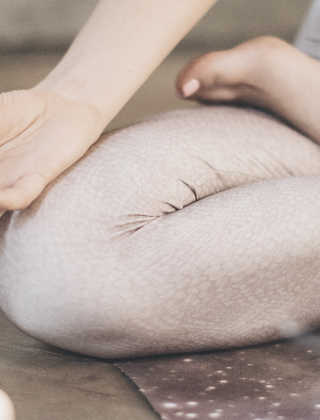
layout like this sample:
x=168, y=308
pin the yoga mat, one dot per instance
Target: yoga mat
x=273, y=381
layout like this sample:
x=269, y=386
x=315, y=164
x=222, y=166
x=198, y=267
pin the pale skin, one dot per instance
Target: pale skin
x=45, y=130
x=255, y=78
x=265, y=72
x=64, y=115
x=62, y=119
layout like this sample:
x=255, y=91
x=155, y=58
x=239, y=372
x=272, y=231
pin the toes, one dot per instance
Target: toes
x=194, y=77
x=190, y=87
x=206, y=78
x=223, y=76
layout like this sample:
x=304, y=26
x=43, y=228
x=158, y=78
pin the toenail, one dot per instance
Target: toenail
x=190, y=88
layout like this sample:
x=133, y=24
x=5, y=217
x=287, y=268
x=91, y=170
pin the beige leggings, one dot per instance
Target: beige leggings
x=196, y=230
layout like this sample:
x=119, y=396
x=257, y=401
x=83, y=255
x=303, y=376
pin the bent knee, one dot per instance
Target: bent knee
x=80, y=326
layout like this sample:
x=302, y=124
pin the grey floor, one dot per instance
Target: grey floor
x=47, y=383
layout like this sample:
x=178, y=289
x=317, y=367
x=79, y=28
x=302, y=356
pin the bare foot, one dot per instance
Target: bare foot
x=6, y=407
x=41, y=135
x=264, y=72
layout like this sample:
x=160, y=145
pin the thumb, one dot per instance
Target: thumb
x=22, y=193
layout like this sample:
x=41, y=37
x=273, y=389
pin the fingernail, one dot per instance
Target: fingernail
x=190, y=88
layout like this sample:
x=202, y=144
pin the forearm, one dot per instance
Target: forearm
x=121, y=45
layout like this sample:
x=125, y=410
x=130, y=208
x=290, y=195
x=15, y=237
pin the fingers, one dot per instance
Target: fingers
x=22, y=193
x=6, y=407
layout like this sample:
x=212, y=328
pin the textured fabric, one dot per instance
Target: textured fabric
x=196, y=230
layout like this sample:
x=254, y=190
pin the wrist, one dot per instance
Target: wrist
x=83, y=119
x=73, y=92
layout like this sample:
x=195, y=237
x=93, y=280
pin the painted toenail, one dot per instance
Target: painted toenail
x=190, y=88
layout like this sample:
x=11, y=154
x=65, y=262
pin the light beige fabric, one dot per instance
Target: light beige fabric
x=198, y=229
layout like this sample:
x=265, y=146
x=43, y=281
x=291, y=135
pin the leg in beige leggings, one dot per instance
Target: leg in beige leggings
x=196, y=230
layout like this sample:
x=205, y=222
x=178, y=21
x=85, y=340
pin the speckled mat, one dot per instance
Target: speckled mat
x=273, y=381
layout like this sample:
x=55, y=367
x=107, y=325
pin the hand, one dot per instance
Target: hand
x=41, y=135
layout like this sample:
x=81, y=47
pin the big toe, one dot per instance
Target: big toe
x=197, y=77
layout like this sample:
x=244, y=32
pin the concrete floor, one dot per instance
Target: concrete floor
x=50, y=384
x=47, y=383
